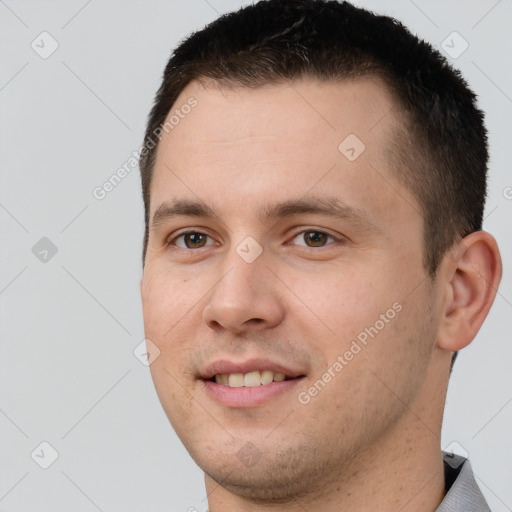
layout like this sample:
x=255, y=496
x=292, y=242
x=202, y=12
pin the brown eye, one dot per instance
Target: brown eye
x=190, y=240
x=313, y=238
x=195, y=240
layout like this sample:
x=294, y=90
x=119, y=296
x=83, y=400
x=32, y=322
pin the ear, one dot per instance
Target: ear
x=472, y=273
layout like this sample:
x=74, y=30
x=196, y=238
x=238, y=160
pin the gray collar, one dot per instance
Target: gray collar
x=463, y=493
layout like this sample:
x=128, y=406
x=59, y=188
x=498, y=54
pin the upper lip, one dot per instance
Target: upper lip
x=224, y=366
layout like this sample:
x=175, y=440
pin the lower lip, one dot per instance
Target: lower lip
x=248, y=397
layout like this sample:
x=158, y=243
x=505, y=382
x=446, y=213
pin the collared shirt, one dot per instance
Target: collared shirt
x=463, y=493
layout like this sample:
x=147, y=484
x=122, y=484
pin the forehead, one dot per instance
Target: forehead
x=306, y=110
x=238, y=146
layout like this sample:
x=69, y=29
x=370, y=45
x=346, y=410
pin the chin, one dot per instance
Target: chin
x=259, y=487
x=276, y=477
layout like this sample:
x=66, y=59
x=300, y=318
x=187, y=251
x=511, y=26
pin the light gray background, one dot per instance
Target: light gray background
x=69, y=325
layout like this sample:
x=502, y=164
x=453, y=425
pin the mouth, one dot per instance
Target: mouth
x=251, y=379
x=248, y=384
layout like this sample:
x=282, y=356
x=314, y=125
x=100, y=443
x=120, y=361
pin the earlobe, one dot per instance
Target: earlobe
x=473, y=271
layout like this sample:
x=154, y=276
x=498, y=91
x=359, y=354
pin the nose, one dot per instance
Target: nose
x=246, y=297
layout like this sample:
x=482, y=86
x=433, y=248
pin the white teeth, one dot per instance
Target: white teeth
x=252, y=379
x=236, y=380
x=249, y=380
x=267, y=377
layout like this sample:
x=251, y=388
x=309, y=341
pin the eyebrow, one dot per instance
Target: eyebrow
x=325, y=206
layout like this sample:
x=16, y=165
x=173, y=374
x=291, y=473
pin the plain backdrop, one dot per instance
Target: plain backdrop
x=70, y=264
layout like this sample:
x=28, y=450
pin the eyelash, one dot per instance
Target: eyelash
x=171, y=241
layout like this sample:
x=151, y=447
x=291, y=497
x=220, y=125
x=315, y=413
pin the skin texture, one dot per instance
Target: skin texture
x=357, y=444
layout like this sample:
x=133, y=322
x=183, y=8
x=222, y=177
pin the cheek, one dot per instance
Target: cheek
x=396, y=355
x=170, y=306
x=378, y=380
x=341, y=302
x=166, y=299
x=173, y=393
x=371, y=324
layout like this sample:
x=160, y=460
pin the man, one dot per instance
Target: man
x=314, y=182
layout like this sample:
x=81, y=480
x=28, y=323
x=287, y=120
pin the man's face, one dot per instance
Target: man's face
x=257, y=287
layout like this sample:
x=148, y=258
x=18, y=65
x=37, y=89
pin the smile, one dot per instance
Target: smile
x=249, y=380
